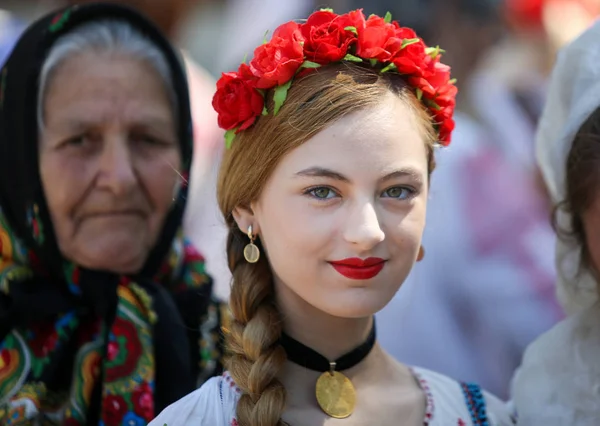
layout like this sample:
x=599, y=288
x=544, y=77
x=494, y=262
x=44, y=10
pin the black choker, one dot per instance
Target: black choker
x=335, y=393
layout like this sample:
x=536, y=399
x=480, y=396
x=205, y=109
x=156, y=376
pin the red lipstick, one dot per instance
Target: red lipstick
x=359, y=269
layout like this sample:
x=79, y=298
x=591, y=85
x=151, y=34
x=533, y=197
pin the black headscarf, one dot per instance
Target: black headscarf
x=84, y=346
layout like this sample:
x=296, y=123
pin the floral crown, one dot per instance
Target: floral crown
x=326, y=38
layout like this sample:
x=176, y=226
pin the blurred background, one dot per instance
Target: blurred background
x=486, y=286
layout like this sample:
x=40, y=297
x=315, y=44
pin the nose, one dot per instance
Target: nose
x=363, y=229
x=116, y=166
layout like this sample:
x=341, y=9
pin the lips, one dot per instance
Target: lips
x=359, y=269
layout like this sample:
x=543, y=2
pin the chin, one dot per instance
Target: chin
x=117, y=258
x=354, y=307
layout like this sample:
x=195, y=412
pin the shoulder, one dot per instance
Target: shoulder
x=559, y=369
x=213, y=404
x=457, y=403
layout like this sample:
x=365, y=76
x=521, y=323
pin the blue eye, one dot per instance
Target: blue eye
x=322, y=193
x=399, y=192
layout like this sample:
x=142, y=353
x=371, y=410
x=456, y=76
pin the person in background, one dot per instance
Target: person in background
x=106, y=312
x=557, y=382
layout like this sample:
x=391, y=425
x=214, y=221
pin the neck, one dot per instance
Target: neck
x=330, y=336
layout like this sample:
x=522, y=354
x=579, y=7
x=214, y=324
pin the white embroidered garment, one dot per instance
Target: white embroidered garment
x=558, y=382
x=449, y=403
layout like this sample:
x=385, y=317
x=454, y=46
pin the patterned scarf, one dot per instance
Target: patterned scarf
x=83, y=347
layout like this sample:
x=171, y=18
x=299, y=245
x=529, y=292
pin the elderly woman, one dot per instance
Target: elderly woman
x=106, y=314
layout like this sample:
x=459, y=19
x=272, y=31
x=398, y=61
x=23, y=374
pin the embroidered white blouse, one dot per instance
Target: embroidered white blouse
x=449, y=403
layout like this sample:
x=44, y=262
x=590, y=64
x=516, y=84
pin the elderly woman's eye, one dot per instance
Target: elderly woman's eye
x=76, y=140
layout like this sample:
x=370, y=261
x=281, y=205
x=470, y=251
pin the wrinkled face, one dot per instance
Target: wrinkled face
x=108, y=160
x=342, y=215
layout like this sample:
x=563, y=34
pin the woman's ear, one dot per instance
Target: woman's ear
x=244, y=217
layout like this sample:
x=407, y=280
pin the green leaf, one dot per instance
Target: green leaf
x=432, y=104
x=434, y=51
x=452, y=81
x=408, y=42
x=326, y=9
x=388, y=18
x=245, y=58
x=279, y=96
x=265, y=111
x=373, y=62
x=419, y=94
x=265, y=41
x=229, y=135
x=351, y=29
x=352, y=58
x=309, y=64
x=389, y=67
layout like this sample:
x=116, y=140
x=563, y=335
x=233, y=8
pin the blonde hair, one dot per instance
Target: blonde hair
x=314, y=102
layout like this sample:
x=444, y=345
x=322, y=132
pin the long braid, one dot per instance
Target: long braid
x=255, y=357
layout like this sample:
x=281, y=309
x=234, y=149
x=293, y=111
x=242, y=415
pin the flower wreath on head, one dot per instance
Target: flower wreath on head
x=326, y=38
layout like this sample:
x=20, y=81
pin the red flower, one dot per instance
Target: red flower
x=289, y=31
x=378, y=40
x=326, y=40
x=236, y=101
x=438, y=76
x=276, y=62
x=412, y=58
x=355, y=18
x=112, y=351
x=114, y=409
x=446, y=95
x=143, y=402
x=126, y=337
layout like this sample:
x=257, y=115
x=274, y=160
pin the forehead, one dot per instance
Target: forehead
x=368, y=142
x=101, y=87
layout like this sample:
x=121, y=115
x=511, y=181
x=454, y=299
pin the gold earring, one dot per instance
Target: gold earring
x=251, y=252
x=421, y=254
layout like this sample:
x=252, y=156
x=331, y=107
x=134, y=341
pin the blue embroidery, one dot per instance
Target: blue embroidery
x=475, y=403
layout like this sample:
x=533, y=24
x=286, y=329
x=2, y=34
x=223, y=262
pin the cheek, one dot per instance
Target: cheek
x=65, y=181
x=292, y=228
x=160, y=177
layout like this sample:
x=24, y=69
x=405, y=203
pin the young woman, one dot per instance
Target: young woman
x=332, y=128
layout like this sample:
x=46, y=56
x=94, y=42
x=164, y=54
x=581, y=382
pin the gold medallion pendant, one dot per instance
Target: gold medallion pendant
x=335, y=394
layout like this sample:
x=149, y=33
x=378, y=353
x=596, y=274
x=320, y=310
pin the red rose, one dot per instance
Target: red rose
x=378, y=40
x=114, y=409
x=412, y=59
x=289, y=31
x=276, y=62
x=355, y=18
x=236, y=100
x=143, y=402
x=326, y=40
x=445, y=131
x=446, y=95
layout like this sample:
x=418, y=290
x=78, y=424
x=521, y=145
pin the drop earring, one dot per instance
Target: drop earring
x=421, y=254
x=251, y=251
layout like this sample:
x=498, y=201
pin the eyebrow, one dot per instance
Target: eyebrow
x=331, y=174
